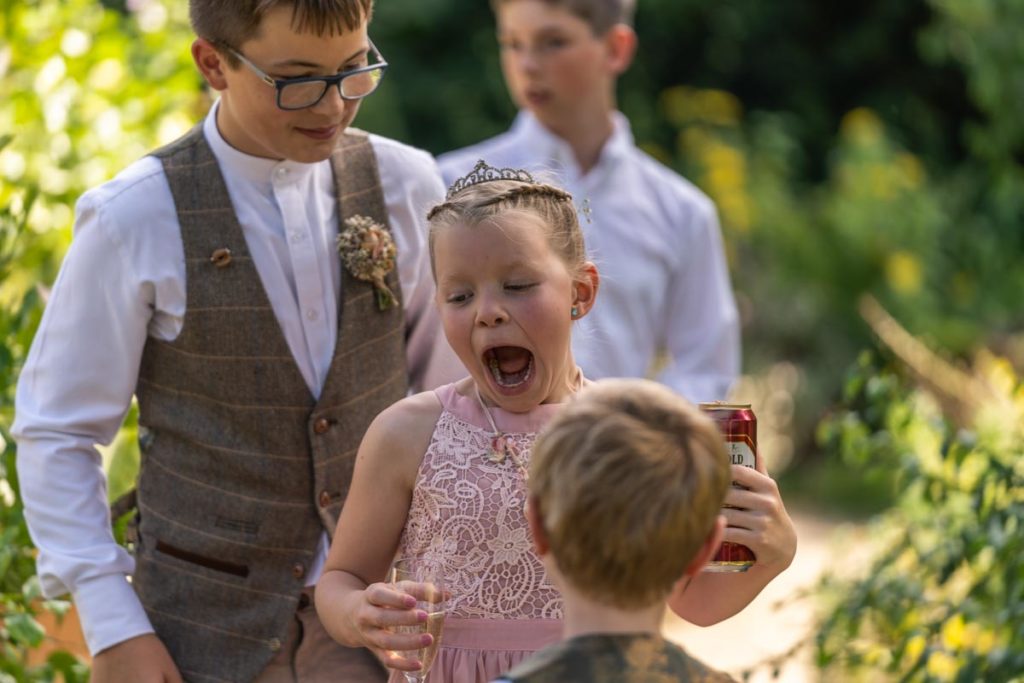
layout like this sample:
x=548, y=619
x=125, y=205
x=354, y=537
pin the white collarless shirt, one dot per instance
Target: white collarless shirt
x=657, y=244
x=123, y=281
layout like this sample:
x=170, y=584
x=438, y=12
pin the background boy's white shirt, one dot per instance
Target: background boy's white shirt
x=124, y=280
x=656, y=241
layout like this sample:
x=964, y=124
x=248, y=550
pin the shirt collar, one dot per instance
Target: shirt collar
x=257, y=170
x=545, y=147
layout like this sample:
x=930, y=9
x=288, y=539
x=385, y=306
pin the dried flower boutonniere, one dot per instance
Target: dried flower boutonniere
x=367, y=250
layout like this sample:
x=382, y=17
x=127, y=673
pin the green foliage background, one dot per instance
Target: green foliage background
x=852, y=148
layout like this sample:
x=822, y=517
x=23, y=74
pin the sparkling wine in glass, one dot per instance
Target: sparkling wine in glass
x=424, y=580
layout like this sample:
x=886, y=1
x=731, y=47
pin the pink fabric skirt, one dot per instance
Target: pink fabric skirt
x=480, y=650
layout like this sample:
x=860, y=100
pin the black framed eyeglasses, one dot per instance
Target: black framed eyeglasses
x=307, y=91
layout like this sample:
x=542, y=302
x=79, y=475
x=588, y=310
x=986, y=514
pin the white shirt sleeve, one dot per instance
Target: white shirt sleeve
x=412, y=184
x=73, y=393
x=701, y=325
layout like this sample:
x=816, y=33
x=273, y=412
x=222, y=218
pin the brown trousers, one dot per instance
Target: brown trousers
x=310, y=655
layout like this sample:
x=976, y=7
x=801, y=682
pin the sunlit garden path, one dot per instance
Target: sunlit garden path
x=777, y=619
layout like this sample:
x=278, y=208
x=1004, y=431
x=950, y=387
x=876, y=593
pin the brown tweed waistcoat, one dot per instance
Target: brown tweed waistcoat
x=242, y=469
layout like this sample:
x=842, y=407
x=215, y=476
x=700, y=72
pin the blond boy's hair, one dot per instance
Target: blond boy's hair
x=600, y=15
x=628, y=480
x=497, y=200
x=229, y=23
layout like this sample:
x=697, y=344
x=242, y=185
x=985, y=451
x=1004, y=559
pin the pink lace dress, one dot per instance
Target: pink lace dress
x=467, y=513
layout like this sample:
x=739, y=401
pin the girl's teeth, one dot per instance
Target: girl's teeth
x=499, y=376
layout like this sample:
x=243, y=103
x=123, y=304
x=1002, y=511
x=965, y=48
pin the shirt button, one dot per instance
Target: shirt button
x=298, y=570
x=325, y=499
x=311, y=314
x=274, y=644
x=321, y=426
x=282, y=172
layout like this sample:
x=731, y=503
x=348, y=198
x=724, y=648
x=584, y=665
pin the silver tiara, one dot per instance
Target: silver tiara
x=483, y=173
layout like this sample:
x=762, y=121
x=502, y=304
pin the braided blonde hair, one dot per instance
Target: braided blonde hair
x=552, y=206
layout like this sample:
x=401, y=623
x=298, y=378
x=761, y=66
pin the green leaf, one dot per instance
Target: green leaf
x=25, y=630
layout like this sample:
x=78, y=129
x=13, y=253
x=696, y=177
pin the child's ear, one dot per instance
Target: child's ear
x=708, y=548
x=621, y=43
x=210, y=63
x=585, y=289
x=536, y=522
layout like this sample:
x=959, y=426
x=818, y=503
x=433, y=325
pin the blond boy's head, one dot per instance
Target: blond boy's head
x=626, y=484
x=601, y=15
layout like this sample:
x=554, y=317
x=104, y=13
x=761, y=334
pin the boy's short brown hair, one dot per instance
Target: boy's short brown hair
x=601, y=15
x=628, y=480
x=229, y=23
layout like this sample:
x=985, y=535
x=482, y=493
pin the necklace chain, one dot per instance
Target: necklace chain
x=502, y=446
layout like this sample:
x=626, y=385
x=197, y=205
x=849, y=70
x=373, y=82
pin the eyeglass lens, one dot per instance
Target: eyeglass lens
x=353, y=86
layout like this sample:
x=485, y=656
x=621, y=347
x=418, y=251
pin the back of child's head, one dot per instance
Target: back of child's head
x=230, y=23
x=628, y=480
x=473, y=200
x=600, y=15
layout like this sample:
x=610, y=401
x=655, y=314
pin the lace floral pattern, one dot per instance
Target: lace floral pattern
x=467, y=513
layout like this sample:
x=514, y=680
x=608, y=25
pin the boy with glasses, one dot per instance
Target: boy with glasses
x=262, y=287
x=654, y=236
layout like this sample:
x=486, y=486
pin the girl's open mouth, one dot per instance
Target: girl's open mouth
x=511, y=366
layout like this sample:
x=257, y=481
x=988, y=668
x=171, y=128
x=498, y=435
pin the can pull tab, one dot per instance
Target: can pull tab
x=221, y=257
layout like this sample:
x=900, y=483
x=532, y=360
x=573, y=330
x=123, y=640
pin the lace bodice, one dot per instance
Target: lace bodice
x=467, y=512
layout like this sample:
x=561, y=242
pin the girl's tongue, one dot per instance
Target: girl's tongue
x=509, y=365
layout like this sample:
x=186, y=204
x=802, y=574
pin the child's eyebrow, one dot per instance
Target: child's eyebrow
x=313, y=65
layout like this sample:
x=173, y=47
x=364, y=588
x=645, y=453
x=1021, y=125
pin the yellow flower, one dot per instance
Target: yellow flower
x=953, y=632
x=942, y=666
x=862, y=127
x=915, y=646
x=903, y=272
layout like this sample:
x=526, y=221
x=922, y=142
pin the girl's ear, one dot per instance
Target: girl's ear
x=210, y=63
x=585, y=289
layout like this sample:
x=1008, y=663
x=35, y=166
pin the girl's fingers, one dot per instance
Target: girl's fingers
x=401, y=645
x=741, y=536
x=752, y=479
x=742, y=519
x=393, y=660
x=383, y=595
x=387, y=618
x=747, y=500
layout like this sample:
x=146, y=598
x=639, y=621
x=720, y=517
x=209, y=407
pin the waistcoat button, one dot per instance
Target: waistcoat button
x=321, y=425
x=274, y=644
x=221, y=257
x=325, y=499
x=298, y=570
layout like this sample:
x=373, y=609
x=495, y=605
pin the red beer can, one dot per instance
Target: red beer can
x=739, y=427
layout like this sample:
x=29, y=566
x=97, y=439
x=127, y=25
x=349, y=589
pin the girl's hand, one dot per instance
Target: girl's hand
x=758, y=519
x=381, y=609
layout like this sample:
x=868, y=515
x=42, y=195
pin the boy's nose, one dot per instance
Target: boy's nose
x=527, y=62
x=331, y=102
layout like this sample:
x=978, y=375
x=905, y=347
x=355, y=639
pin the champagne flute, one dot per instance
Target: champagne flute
x=424, y=580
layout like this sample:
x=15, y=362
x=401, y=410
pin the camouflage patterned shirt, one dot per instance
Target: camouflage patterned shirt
x=619, y=658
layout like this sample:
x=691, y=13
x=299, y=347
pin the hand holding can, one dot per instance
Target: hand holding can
x=738, y=425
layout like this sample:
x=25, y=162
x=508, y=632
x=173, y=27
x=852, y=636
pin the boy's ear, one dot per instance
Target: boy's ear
x=210, y=63
x=585, y=289
x=536, y=522
x=621, y=43
x=708, y=548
